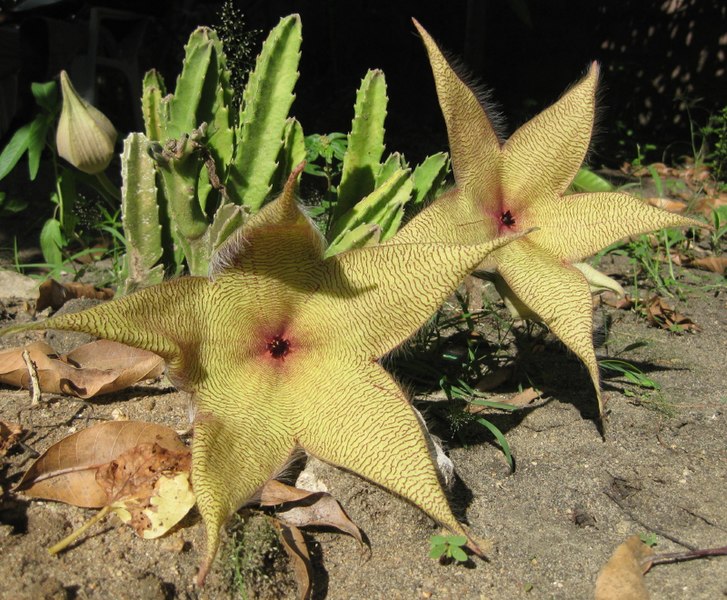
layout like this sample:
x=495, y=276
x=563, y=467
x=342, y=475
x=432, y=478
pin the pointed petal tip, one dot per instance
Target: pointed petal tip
x=204, y=568
x=420, y=28
x=296, y=172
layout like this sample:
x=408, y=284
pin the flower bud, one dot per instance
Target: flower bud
x=85, y=137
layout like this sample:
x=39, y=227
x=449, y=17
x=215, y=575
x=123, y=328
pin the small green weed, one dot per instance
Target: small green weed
x=459, y=394
x=255, y=558
x=719, y=222
x=649, y=539
x=324, y=156
x=448, y=547
x=650, y=255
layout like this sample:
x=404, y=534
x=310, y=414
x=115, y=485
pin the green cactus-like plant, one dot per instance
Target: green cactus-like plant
x=208, y=169
x=371, y=198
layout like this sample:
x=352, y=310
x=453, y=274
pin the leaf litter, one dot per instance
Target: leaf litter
x=97, y=368
x=141, y=472
x=54, y=294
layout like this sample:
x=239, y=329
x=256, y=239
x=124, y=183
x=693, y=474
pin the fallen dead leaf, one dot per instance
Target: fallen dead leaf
x=494, y=380
x=296, y=508
x=53, y=294
x=294, y=543
x=140, y=471
x=524, y=398
x=661, y=314
x=622, y=578
x=90, y=370
x=148, y=487
x=716, y=264
x=675, y=206
x=615, y=301
x=66, y=472
x=9, y=436
x=301, y=508
x=709, y=203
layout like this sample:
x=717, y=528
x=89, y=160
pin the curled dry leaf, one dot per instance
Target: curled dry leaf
x=294, y=543
x=9, y=436
x=90, y=370
x=66, y=472
x=675, y=206
x=301, y=508
x=661, y=314
x=53, y=294
x=138, y=470
x=527, y=396
x=494, y=379
x=716, y=264
x=149, y=487
x=614, y=300
x=622, y=578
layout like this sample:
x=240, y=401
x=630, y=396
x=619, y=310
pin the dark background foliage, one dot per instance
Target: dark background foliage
x=663, y=61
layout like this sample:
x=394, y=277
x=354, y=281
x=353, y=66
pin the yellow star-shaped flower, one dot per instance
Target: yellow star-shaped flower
x=503, y=188
x=280, y=348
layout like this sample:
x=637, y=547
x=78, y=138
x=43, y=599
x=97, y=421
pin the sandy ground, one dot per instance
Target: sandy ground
x=552, y=523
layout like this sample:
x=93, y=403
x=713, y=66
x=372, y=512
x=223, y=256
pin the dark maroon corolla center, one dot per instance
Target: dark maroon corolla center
x=507, y=219
x=278, y=347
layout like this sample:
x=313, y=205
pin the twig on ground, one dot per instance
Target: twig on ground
x=33, y=383
x=672, y=557
x=648, y=526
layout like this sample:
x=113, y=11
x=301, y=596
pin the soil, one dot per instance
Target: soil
x=551, y=524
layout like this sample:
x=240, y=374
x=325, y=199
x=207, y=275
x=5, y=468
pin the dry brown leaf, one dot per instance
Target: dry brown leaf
x=301, y=508
x=622, y=578
x=717, y=264
x=614, y=300
x=54, y=294
x=294, y=543
x=66, y=472
x=145, y=473
x=661, y=314
x=524, y=398
x=707, y=204
x=9, y=436
x=493, y=380
x=93, y=369
x=675, y=206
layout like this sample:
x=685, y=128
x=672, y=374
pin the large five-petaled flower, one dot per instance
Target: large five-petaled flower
x=502, y=188
x=280, y=348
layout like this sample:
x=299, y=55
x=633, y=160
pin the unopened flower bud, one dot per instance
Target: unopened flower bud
x=85, y=137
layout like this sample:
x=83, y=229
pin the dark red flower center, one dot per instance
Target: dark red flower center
x=278, y=347
x=507, y=219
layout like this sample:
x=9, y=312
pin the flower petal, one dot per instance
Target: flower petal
x=275, y=262
x=576, y=226
x=475, y=148
x=557, y=293
x=233, y=455
x=392, y=289
x=166, y=319
x=454, y=218
x=545, y=154
x=368, y=426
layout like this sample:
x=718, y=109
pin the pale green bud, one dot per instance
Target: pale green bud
x=85, y=137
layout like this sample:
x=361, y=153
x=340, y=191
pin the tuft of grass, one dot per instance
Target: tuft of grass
x=650, y=257
x=630, y=372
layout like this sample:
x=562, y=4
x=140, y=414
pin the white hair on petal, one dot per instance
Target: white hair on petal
x=225, y=256
x=482, y=93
